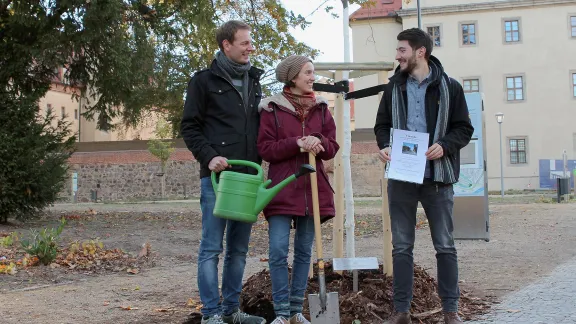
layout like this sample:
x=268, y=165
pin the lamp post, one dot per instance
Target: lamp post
x=419, y=12
x=500, y=119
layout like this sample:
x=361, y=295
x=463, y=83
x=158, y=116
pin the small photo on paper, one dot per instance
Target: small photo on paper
x=409, y=148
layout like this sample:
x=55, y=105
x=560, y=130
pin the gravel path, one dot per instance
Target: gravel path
x=549, y=300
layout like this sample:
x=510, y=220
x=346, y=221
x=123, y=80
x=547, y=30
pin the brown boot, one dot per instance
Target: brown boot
x=452, y=318
x=399, y=318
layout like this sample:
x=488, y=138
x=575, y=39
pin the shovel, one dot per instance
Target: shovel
x=324, y=308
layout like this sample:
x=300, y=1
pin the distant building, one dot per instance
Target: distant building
x=520, y=54
x=60, y=99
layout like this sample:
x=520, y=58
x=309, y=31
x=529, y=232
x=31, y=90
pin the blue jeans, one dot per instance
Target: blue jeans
x=437, y=201
x=237, y=238
x=288, y=299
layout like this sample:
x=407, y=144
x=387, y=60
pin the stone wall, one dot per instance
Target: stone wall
x=131, y=175
x=136, y=181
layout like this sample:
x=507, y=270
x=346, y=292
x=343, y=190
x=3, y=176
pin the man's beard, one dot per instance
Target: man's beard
x=411, y=65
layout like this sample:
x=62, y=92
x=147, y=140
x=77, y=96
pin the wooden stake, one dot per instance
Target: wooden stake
x=386, y=226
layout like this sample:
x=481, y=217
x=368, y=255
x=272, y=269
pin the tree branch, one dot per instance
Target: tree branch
x=318, y=8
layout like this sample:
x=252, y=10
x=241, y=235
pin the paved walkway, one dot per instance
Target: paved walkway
x=551, y=300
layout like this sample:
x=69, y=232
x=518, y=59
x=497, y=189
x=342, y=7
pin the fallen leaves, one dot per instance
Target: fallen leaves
x=145, y=251
x=8, y=268
x=92, y=255
x=128, y=308
x=10, y=265
x=193, y=303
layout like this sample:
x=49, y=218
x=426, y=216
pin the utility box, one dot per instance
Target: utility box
x=471, y=215
x=563, y=187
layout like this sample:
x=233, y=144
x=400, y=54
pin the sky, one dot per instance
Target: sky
x=325, y=32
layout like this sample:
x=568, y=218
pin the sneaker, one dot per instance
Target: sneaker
x=239, y=317
x=214, y=319
x=298, y=318
x=280, y=320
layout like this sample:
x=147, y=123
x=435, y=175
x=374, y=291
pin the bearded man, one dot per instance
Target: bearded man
x=420, y=97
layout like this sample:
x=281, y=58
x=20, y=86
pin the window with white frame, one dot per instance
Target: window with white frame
x=468, y=31
x=512, y=31
x=434, y=32
x=574, y=84
x=471, y=85
x=518, y=151
x=573, y=26
x=515, y=88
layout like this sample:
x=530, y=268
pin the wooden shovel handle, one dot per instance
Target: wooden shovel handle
x=316, y=207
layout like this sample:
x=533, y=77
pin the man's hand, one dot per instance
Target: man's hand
x=311, y=144
x=384, y=154
x=218, y=164
x=435, y=152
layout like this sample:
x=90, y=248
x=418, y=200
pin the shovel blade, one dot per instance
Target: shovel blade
x=329, y=315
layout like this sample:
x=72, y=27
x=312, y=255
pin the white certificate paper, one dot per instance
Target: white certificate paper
x=408, y=156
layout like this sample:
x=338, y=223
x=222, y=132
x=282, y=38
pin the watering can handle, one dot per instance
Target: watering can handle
x=236, y=162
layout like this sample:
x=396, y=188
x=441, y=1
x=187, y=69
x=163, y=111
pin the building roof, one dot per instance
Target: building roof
x=381, y=9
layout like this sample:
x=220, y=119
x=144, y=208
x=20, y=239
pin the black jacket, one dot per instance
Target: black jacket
x=459, y=130
x=215, y=121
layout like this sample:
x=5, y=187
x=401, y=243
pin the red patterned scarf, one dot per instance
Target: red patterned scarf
x=302, y=103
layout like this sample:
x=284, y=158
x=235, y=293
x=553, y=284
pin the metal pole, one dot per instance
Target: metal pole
x=419, y=14
x=501, y=164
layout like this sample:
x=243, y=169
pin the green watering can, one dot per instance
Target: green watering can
x=241, y=197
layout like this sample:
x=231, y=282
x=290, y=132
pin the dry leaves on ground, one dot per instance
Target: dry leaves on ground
x=11, y=260
x=92, y=256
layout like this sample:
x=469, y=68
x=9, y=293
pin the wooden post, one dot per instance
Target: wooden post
x=386, y=226
x=338, y=229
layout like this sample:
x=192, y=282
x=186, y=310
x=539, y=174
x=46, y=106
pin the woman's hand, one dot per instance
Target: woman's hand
x=311, y=144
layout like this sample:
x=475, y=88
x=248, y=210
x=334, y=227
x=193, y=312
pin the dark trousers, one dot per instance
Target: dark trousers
x=437, y=201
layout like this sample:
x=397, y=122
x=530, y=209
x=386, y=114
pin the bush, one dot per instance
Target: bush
x=44, y=243
x=34, y=151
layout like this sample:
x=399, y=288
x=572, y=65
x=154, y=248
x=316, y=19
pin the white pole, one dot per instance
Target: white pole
x=349, y=225
x=501, y=163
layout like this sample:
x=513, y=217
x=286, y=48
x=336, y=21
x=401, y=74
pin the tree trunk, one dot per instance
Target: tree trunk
x=163, y=179
x=3, y=219
x=164, y=186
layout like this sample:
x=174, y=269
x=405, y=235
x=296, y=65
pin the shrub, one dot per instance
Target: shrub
x=44, y=243
x=34, y=150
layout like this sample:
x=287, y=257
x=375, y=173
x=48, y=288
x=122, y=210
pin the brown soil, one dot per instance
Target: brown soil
x=371, y=304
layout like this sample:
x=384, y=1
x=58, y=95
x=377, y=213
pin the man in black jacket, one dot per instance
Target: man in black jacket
x=422, y=98
x=220, y=122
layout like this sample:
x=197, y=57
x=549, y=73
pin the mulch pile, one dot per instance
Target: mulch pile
x=371, y=304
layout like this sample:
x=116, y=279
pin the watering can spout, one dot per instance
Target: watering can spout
x=265, y=195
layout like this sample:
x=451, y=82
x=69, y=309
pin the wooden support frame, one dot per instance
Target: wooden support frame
x=335, y=71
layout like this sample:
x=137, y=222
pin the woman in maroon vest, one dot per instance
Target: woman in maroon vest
x=292, y=120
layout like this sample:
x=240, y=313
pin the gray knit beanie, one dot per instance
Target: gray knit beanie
x=289, y=68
